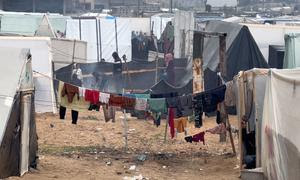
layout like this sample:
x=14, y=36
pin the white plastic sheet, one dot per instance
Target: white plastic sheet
x=159, y=23
x=280, y=126
x=266, y=35
x=12, y=62
x=40, y=49
x=291, y=55
x=107, y=39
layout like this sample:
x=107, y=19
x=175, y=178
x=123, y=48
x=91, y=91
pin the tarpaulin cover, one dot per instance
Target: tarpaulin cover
x=266, y=35
x=292, y=45
x=142, y=75
x=280, y=126
x=242, y=52
x=101, y=37
x=276, y=56
x=28, y=23
x=40, y=49
x=159, y=22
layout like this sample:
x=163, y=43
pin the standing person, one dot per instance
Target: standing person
x=76, y=80
x=170, y=69
x=117, y=74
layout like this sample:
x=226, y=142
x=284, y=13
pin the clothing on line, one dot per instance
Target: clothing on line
x=219, y=129
x=62, y=114
x=181, y=124
x=104, y=98
x=157, y=105
x=70, y=91
x=196, y=138
x=92, y=96
x=141, y=104
x=171, y=122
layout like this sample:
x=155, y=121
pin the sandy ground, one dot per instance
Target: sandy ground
x=94, y=149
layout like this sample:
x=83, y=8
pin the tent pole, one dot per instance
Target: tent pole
x=100, y=38
x=79, y=28
x=166, y=128
x=97, y=37
x=116, y=34
x=73, y=55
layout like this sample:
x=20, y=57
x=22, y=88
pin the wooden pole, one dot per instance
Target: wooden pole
x=166, y=128
x=125, y=130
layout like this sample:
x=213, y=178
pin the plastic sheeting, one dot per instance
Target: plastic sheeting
x=292, y=57
x=28, y=23
x=184, y=30
x=67, y=51
x=222, y=3
x=266, y=35
x=40, y=49
x=101, y=37
x=12, y=62
x=242, y=52
x=159, y=23
x=280, y=126
x=276, y=56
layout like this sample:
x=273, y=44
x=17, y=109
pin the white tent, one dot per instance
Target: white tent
x=266, y=35
x=159, y=23
x=66, y=51
x=103, y=36
x=184, y=25
x=18, y=140
x=45, y=29
x=40, y=48
x=280, y=125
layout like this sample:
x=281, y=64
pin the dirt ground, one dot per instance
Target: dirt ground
x=94, y=150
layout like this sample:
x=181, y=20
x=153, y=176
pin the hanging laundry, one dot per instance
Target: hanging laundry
x=157, y=119
x=141, y=104
x=92, y=96
x=70, y=91
x=186, y=103
x=157, y=105
x=218, y=117
x=174, y=102
x=104, y=98
x=82, y=92
x=207, y=102
x=171, y=122
x=109, y=113
x=181, y=124
x=123, y=102
x=196, y=138
x=145, y=96
x=220, y=129
x=167, y=95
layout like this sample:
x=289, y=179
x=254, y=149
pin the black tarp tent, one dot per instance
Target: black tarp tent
x=142, y=75
x=242, y=52
x=276, y=56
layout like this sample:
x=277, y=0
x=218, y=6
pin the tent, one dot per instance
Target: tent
x=276, y=56
x=250, y=92
x=103, y=35
x=45, y=29
x=292, y=57
x=67, y=51
x=142, y=75
x=18, y=138
x=280, y=125
x=40, y=48
x=242, y=52
x=159, y=23
x=28, y=23
x=266, y=35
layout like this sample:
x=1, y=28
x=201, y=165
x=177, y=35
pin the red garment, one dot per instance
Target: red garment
x=199, y=137
x=123, y=102
x=70, y=91
x=171, y=122
x=92, y=96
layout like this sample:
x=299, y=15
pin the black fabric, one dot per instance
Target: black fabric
x=62, y=112
x=276, y=56
x=74, y=116
x=189, y=139
x=218, y=117
x=33, y=141
x=242, y=51
x=163, y=87
x=142, y=75
x=10, y=145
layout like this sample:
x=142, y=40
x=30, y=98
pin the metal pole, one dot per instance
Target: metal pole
x=97, y=37
x=166, y=128
x=80, y=29
x=100, y=38
x=116, y=34
x=73, y=55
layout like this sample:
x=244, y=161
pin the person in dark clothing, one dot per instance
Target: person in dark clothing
x=170, y=69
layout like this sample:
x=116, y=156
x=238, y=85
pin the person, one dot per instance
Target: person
x=117, y=74
x=76, y=80
x=170, y=69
